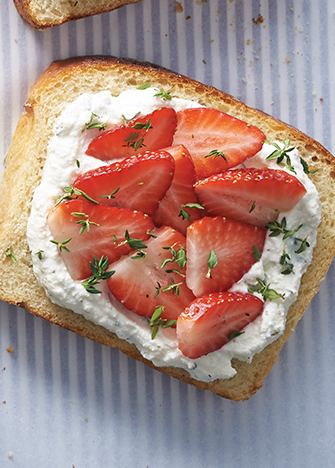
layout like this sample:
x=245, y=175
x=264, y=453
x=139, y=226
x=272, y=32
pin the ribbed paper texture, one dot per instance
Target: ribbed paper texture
x=68, y=402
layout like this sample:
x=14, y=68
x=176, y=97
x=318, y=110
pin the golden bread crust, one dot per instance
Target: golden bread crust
x=59, y=85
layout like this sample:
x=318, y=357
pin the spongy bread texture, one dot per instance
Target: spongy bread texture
x=42, y=14
x=59, y=85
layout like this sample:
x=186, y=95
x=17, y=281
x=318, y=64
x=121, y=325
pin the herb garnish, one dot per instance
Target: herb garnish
x=158, y=289
x=111, y=195
x=135, y=244
x=156, y=321
x=69, y=195
x=306, y=168
x=90, y=125
x=126, y=121
x=281, y=153
x=288, y=267
x=85, y=223
x=174, y=287
x=99, y=270
x=165, y=95
x=256, y=253
x=9, y=253
x=40, y=254
x=277, y=228
x=181, y=257
x=184, y=214
x=212, y=262
x=253, y=206
x=144, y=86
x=234, y=334
x=264, y=289
x=216, y=154
x=62, y=245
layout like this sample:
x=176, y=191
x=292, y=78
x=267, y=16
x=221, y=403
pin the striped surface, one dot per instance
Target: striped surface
x=66, y=401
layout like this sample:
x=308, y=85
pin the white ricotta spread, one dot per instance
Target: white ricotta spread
x=68, y=146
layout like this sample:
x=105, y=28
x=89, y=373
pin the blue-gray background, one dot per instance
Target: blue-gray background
x=68, y=402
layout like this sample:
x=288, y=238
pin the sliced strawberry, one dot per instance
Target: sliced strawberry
x=151, y=132
x=215, y=140
x=179, y=194
x=211, y=321
x=233, y=244
x=103, y=233
x=137, y=183
x=255, y=196
x=139, y=282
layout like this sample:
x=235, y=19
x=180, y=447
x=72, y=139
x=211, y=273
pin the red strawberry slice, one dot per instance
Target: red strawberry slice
x=233, y=245
x=255, y=196
x=179, y=194
x=215, y=140
x=211, y=321
x=94, y=230
x=151, y=132
x=137, y=183
x=139, y=283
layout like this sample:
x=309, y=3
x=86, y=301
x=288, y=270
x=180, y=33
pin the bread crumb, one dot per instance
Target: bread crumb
x=321, y=99
x=10, y=454
x=10, y=349
x=179, y=7
x=85, y=418
x=287, y=59
x=258, y=20
x=244, y=80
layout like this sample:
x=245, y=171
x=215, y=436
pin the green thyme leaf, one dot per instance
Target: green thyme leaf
x=165, y=95
x=234, y=334
x=264, y=289
x=9, y=253
x=78, y=162
x=181, y=257
x=306, y=168
x=167, y=260
x=158, y=289
x=256, y=253
x=277, y=228
x=144, y=86
x=281, y=153
x=174, y=287
x=72, y=193
x=253, y=206
x=85, y=223
x=212, y=262
x=303, y=246
x=99, y=270
x=135, y=244
x=40, y=254
x=109, y=197
x=184, y=214
x=216, y=154
x=288, y=267
x=90, y=125
x=156, y=321
x=62, y=245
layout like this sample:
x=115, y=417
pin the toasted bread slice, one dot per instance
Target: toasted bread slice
x=42, y=14
x=59, y=85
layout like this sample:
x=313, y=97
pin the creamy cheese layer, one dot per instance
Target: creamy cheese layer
x=66, y=160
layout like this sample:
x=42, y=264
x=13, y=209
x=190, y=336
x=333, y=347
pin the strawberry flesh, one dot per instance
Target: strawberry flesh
x=233, y=243
x=204, y=130
x=212, y=320
x=137, y=183
x=180, y=193
x=255, y=196
x=150, y=132
x=136, y=280
x=96, y=241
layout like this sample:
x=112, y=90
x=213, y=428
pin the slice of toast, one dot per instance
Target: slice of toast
x=41, y=14
x=59, y=85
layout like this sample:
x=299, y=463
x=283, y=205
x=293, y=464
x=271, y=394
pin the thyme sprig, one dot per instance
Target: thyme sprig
x=173, y=287
x=216, y=154
x=156, y=321
x=99, y=270
x=62, y=245
x=179, y=257
x=212, y=262
x=185, y=214
x=277, y=228
x=144, y=86
x=135, y=244
x=281, y=153
x=90, y=125
x=265, y=290
x=306, y=168
x=9, y=253
x=110, y=196
x=165, y=95
x=85, y=223
x=284, y=261
x=72, y=193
